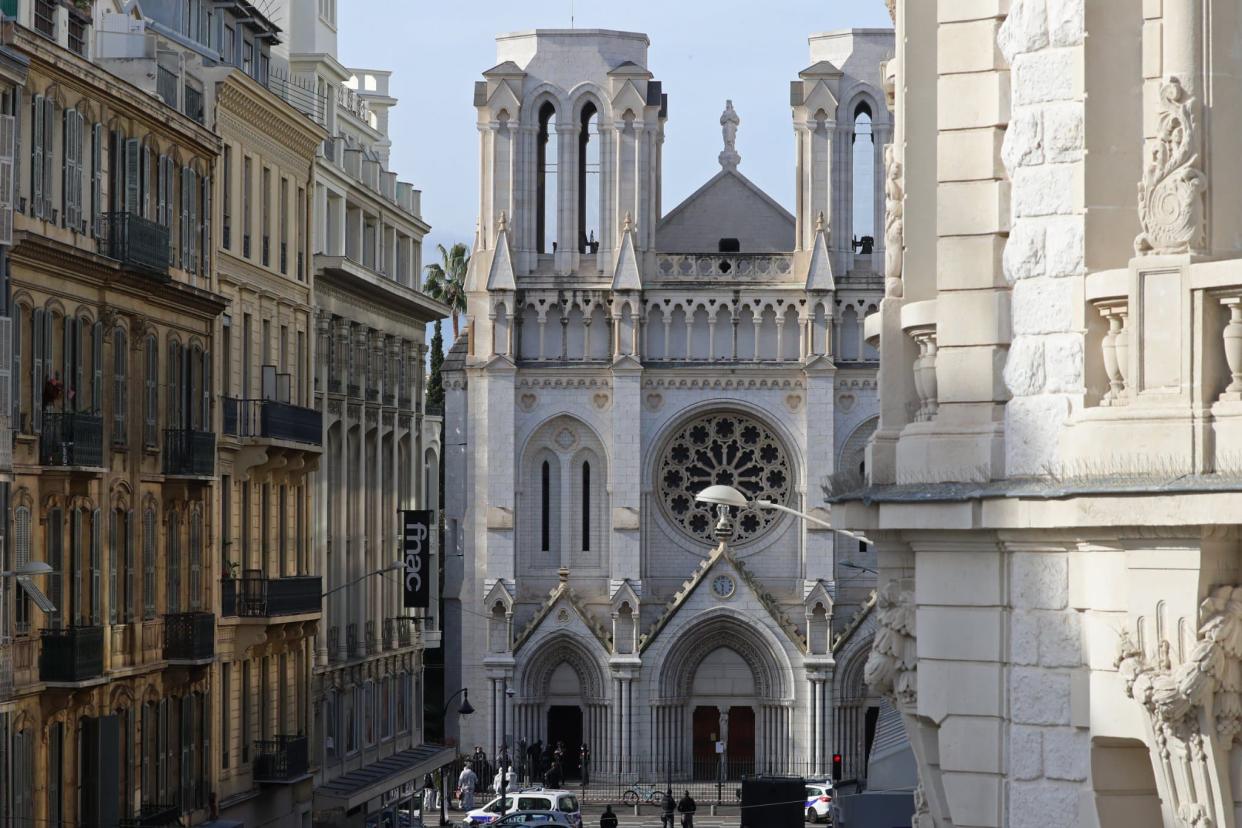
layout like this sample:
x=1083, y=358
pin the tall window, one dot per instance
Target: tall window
x=864, y=174
x=120, y=386
x=545, y=188
x=196, y=559
x=172, y=552
x=55, y=558
x=245, y=713
x=545, y=506
x=148, y=563
x=265, y=217
x=588, y=178
x=226, y=710
x=22, y=541
x=284, y=225
x=247, y=195
x=586, y=506
x=152, y=403
x=227, y=198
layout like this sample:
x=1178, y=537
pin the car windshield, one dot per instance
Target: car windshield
x=568, y=804
x=493, y=807
x=811, y=793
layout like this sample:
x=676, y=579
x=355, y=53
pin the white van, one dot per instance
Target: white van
x=531, y=799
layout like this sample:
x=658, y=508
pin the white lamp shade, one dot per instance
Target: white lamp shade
x=723, y=495
x=35, y=568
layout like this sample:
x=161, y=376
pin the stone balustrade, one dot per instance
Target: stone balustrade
x=918, y=320
x=694, y=267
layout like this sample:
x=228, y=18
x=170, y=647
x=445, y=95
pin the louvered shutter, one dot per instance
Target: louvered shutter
x=38, y=320
x=16, y=388
x=36, y=156
x=144, y=188
x=75, y=564
x=148, y=563
x=187, y=750
x=131, y=571
x=97, y=368
x=161, y=750
x=6, y=365
x=66, y=172
x=170, y=401
x=183, y=233
x=205, y=231
x=120, y=386
x=49, y=153
x=8, y=180
x=96, y=566
x=97, y=140
x=17, y=144
x=68, y=323
x=133, y=166
x=161, y=192
x=113, y=594
x=205, y=415
x=153, y=392
x=193, y=228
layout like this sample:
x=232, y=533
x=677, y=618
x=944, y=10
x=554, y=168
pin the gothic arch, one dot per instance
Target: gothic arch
x=766, y=658
x=563, y=648
x=853, y=450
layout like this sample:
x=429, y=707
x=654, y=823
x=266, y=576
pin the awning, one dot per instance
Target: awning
x=361, y=786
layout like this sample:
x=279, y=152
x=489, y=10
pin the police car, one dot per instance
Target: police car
x=818, y=801
x=531, y=799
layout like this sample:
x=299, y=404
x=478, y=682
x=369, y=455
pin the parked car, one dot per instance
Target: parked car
x=534, y=818
x=530, y=799
x=818, y=801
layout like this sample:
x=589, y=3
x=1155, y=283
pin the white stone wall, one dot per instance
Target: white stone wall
x=1043, y=155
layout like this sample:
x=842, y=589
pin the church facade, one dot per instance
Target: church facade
x=619, y=359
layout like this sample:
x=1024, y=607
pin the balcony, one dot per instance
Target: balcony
x=189, y=453
x=152, y=816
x=281, y=761
x=271, y=420
x=71, y=440
x=254, y=595
x=190, y=637
x=73, y=655
x=136, y=243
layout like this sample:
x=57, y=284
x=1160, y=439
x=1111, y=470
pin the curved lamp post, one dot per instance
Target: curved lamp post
x=465, y=709
x=729, y=496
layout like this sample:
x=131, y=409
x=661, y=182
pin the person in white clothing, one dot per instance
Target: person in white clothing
x=466, y=783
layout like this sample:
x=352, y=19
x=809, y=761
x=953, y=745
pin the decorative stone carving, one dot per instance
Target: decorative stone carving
x=1115, y=348
x=729, y=122
x=1171, y=194
x=892, y=666
x=727, y=449
x=527, y=402
x=894, y=223
x=925, y=382
x=1193, y=711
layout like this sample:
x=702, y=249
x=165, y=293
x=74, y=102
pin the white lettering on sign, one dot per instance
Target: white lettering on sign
x=415, y=534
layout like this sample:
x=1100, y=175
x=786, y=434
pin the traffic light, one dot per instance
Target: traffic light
x=836, y=767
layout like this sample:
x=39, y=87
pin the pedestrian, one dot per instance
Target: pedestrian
x=480, y=762
x=552, y=777
x=522, y=758
x=608, y=819
x=504, y=782
x=533, y=753
x=584, y=760
x=466, y=784
x=686, y=808
x=429, y=794
x=668, y=807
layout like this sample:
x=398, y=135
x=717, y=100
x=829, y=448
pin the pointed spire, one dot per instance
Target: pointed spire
x=500, y=275
x=626, y=276
x=819, y=273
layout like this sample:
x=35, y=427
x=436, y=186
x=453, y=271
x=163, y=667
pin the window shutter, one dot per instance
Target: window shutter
x=193, y=229
x=96, y=567
x=131, y=570
x=6, y=365
x=204, y=265
x=76, y=365
x=132, y=184
x=75, y=564
x=36, y=156
x=66, y=357
x=205, y=415
x=113, y=595
x=148, y=563
x=183, y=232
x=171, y=400
x=17, y=143
x=8, y=180
x=36, y=365
x=97, y=368
x=120, y=385
x=144, y=187
x=161, y=750
x=66, y=173
x=187, y=749
x=153, y=392
x=161, y=189
x=15, y=387
x=97, y=141
x=49, y=153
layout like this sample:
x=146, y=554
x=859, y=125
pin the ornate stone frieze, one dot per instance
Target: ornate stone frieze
x=563, y=382
x=723, y=383
x=1193, y=711
x=892, y=666
x=1171, y=194
x=894, y=222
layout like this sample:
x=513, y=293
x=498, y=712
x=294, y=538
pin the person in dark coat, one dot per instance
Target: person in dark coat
x=522, y=758
x=584, y=762
x=686, y=808
x=668, y=807
x=533, y=754
x=608, y=819
x=552, y=777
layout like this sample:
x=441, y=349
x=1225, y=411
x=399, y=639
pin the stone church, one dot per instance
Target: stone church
x=621, y=357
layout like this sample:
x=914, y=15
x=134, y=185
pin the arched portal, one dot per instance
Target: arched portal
x=561, y=696
x=723, y=680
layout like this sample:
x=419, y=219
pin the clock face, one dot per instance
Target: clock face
x=722, y=586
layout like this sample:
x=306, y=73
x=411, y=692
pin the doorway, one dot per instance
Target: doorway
x=706, y=732
x=565, y=727
x=740, y=751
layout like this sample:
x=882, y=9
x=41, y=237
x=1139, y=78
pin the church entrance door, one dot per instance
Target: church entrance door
x=565, y=726
x=740, y=751
x=706, y=732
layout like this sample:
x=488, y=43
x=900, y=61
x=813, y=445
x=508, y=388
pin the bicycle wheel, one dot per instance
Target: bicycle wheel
x=654, y=798
x=630, y=798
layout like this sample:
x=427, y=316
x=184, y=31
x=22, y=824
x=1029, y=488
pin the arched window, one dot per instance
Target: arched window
x=586, y=506
x=545, y=194
x=863, y=197
x=588, y=179
x=545, y=506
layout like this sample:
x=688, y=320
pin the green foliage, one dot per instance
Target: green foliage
x=435, y=386
x=446, y=280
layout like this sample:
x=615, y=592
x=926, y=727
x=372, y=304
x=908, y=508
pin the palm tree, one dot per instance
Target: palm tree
x=447, y=281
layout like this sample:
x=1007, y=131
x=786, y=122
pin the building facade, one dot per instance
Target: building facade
x=619, y=359
x=113, y=315
x=1052, y=486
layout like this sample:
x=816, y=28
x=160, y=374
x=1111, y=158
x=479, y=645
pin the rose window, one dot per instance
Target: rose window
x=729, y=450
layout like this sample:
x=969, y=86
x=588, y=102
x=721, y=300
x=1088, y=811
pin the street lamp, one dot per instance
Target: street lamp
x=392, y=567
x=729, y=496
x=465, y=709
x=859, y=567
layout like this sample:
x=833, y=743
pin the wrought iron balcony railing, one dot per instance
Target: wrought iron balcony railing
x=71, y=440
x=152, y=816
x=71, y=654
x=351, y=640
x=371, y=643
x=334, y=643
x=256, y=596
x=136, y=242
x=190, y=636
x=189, y=453
x=281, y=760
x=271, y=420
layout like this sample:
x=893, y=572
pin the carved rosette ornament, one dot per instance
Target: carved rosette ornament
x=1171, y=194
x=1193, y=712
x=894, y=222
x=892, y=667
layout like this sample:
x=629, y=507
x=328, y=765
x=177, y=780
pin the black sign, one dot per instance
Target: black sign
x=416, y=546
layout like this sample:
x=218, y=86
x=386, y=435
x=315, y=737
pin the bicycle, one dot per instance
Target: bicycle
x=638, y=792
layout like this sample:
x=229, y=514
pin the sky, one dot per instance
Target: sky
x=704, y=51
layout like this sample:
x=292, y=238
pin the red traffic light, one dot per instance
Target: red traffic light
x=836, y=767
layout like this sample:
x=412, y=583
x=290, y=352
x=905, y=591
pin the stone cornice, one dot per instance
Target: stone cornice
x=247, y=276
x=329, y=296
x=262, y=119
x=756, y=383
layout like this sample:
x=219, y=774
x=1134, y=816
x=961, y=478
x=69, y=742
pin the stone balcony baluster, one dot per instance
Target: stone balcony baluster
x=1233, y=347
x=925, y=371
x=1115, y=348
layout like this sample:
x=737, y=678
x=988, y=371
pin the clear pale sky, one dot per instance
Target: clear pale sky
x=704, y=51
